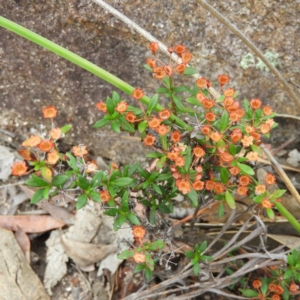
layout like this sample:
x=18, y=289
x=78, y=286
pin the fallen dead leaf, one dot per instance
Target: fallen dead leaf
x=31, y=223
x=24, y=242
x=292, y=242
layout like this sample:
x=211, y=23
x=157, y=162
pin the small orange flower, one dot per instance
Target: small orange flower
x=149, y=140
x=32, y=141
x=293, y=288
x=244, y=180
x=101, y=106
x=49, y=112
x=234, y=171
x=219, y=188
x=249, y=129
x=159, y=73
x=186, y=57
x=79, y=150
x=91, y=166
x=255, y=135
x=163, y=129
x=45, y=145
x=256, y=284
x=233, y=107
x=172, y=155
x=255, y=103
x=138, y=231
x=228, y=101
x=272, y=287
x=175, y=136
x=19, y=168
x=216, y=136
x=234, y=117
x=55, y=133
x=201, y=83
x=229, y=92
x=210, y=116
x=198, y=185
x=139, y=257
x=247, y=141
x=155, y=122
x=252, y=156
x=270, y=122
x=52, y=157
x=179, y=49
x=276, y=297
x=180, y=68
x=130, y=117
x=151, y=62
x=179, y=161
x=223, y=79
x=206, y=129
x=198, y=151
x=270, y=179
x=105, y=196
x=26, y=154
x=208, y=103
x=267, y=110
x=200, y=97
x=265, y=128
x=241, y=112
x=242, y=190
x=164, y=114
x=121, y=107
x=183, y=186
x=226, y=157
x=260, y=189
x=266, y=203
x=137, y=93
x=279, y=290
x=154, y=46
x=168, y=70
x=236, y=135
x=209, y=185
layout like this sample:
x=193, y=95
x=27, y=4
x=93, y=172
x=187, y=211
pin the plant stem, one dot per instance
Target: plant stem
x=288, y=216
x=81, y=62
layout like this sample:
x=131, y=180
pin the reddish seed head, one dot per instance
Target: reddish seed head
x=170, y=50
x=154, y=46
x=49, y=112
x=19, y=168
x=223, y=79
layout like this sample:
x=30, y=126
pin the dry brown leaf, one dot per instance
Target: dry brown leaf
x=24, y=242
x=292, y=242
x=85, y=254
x=30, y=224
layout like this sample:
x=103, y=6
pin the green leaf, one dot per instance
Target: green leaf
x=97, y=179
x=124, y=202
x=126, y=254
x=81, y=201
x=193, y=196
x=189, y=254
x=257, y=149
x=37, y=196
x=249, y=293
x=148, y=274
x=190, y=71
x=147, y=67
x=203, y=246
x=133, y=219
x=277, y=194
x=163, y=177
x=178, y=103
x=149, y=261
x=46, y=192
x=162, y=90
x=167, y=81
x=119, y=222
x=196, y=268
x=180, y=89
x=193, y=100
x=72, y=162
x=142, y=126
x=101, y=123
x=83, y=183
x=154, y=155
x=245, y=169
x=224, y=121
x=220, y=99
x=221, y=210
x=127, y=126
x=224, y=174
x=112, y=212
x=188, y=158
x=143, y=172
x=232, y=149
x=259, y=198
x=156, y=188
x=152, y=104
x=59, y=180
x=121, y=182
x=288, y=274
x=229, y=200
x=95, y=196
x=139, y=268
x=65, y=129
x=35, y=181
x=115, y=97
x=163, y=208
x=110, y=105
x=115, y=126
x=270, y=213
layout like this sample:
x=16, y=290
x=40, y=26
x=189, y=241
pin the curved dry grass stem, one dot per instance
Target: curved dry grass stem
x=281, y=173
x=247, y=42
